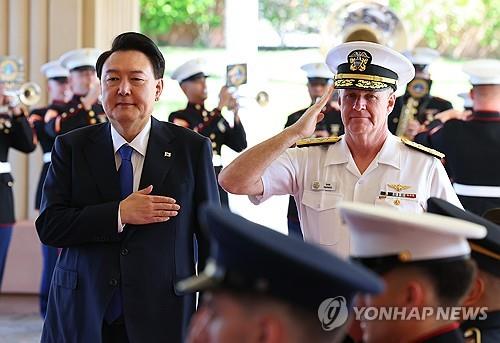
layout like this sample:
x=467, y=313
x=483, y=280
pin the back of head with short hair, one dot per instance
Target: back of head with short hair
x=137, y=42
x=452, y=279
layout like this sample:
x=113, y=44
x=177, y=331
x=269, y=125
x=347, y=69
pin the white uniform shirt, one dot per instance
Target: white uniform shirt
x=319, y=177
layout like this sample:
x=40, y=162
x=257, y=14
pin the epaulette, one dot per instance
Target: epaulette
x=422, y=148
x=472, y=335
x=301, y=143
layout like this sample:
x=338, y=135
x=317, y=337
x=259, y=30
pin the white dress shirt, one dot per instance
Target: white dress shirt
x=139, y=145
x=319, y=177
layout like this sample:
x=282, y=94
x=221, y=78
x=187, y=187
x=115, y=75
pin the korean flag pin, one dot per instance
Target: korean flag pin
x=168, y=154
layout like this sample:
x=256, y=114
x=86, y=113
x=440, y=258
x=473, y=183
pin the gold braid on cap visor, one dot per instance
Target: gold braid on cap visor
x=363, y=81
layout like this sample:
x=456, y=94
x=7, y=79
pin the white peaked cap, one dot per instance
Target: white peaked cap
x=483, y=71
x=54, y=69
x=319, y=69
x=79, y=58
x=188, y=69
x=371, y=66
x=377, y=232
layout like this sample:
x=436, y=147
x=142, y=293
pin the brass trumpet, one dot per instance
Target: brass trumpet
x=28, y=94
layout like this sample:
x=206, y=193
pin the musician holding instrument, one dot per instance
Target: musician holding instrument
x=16, y=133
x=212, y=124
x=415, y=109
x=58, y=92
x=84, y=108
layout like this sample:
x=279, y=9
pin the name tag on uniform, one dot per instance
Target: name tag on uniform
x=327, y=186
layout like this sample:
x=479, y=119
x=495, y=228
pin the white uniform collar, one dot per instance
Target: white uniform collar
x=139, y=143
x=390, y=153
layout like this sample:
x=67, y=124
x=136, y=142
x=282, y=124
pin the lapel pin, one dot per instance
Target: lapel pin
x=167, y=154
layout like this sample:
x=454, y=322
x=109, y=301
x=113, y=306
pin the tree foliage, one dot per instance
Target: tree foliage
x=455, y=27
x=158, y=17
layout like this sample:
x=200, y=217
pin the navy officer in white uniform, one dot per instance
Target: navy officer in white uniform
x=367, y=164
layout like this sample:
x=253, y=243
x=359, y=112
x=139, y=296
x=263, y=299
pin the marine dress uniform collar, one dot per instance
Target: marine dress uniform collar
x=195, y=107
x=390, y=153
x=484, y=116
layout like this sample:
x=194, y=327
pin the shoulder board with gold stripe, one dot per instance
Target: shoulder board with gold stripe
x=422, y=148
x=305, y=142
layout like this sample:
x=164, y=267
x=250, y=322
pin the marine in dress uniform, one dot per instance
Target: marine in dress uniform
x=256, y=275
x=57, y=83
x=417, y=103
x=318, y=77
x=471, y=146
x=425, y=262
x=211, y=124
x=84, y=108
x=16, y=133
x=321, y=172
x=486, y=253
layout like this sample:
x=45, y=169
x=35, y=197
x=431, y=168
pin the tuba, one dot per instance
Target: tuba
x=370, y=21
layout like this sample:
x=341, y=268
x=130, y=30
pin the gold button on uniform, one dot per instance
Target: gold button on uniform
x=71, y=110
x=93, y=121
x=212, y=136
x=397, y=202
x=91, y=113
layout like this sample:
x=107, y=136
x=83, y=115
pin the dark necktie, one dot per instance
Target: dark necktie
x=126, y=173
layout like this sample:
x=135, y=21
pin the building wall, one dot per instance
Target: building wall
x=39, y=31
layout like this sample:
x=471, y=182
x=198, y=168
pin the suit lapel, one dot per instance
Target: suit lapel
x=101, y=160
x=159, y=156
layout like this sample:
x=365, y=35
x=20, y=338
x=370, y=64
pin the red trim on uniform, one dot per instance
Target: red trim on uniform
x=480, y=118
x=35, y=117
x=438, y=332
x=57, y=124
x=434, y=130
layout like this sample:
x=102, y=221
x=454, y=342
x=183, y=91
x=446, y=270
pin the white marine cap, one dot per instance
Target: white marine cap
x=369, y=66
x=54, y=69
x=378, y=232
x=195, y=67
x=86, y=57
x=317, y=70
x=423, y=56
x=483, y=71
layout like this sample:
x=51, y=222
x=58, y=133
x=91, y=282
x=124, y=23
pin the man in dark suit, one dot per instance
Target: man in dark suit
x=121, y=200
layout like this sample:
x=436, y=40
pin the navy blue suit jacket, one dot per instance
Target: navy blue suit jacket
x=79, y=213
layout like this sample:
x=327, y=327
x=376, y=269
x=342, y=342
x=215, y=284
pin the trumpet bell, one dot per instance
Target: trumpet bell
x=29, y=93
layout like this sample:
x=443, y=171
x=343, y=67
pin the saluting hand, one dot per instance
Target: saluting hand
x=141, y=208
x=306, y=125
